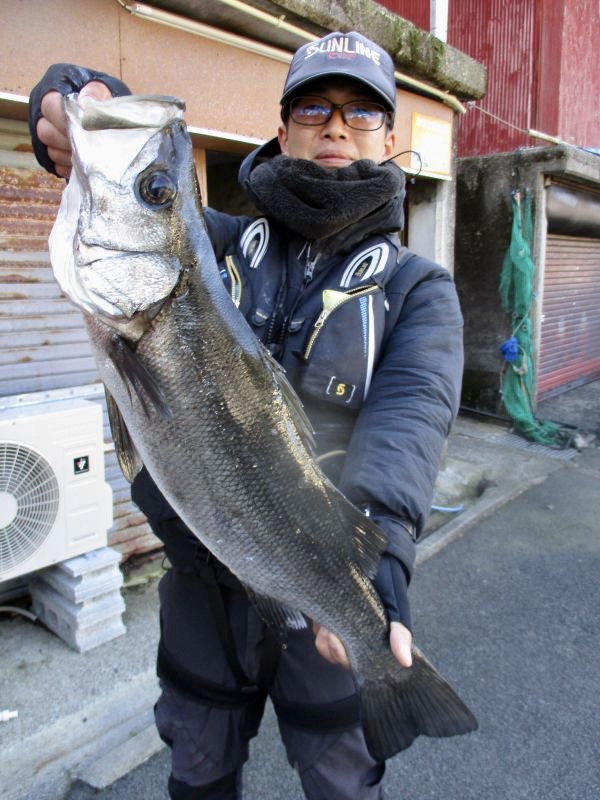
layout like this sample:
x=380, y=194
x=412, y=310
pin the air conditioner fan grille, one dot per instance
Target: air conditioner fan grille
x=30, y=492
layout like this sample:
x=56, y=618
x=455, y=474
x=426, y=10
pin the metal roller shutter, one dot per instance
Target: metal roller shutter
x=570, y=330
x=43, y=343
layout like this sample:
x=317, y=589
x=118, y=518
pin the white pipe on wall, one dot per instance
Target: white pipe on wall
x=278, y=22
x=207, y=31
x=438, y=19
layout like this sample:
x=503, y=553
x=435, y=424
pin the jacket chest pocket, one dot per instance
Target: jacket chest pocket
x=342, y=348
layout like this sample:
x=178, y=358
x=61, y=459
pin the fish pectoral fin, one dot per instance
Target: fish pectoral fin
x=409, y=703
x=137, y=377
x=127, y=455
x=275, y=614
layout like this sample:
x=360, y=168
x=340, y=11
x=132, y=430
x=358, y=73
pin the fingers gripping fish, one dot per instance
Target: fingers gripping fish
x=195, y=397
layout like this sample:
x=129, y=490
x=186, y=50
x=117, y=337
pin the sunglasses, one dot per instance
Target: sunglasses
x=362, y=115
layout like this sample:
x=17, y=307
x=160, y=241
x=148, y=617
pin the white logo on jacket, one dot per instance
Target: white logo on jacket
x=367, y=263
x=255, y=241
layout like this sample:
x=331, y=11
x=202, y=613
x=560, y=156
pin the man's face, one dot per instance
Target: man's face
x=334, y=144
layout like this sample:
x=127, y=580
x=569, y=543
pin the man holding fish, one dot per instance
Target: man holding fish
x=370, y=337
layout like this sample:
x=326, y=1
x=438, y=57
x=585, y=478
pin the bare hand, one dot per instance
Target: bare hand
x=329, y=646
x=52, y=126
x=332, y=649
x=400, y=644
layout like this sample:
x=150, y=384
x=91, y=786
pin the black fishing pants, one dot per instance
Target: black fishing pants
x=210, y=739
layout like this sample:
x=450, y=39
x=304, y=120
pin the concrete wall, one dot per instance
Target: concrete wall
x=484, y=190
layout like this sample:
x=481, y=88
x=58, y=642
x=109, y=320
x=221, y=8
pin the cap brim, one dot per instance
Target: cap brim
x=337, y=74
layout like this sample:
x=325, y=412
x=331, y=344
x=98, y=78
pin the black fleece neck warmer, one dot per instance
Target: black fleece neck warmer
x=334, y=207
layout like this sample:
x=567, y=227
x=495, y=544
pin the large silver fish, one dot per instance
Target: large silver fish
x=211, y=415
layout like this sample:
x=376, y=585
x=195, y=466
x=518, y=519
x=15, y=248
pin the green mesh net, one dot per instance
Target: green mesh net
x=516, y=292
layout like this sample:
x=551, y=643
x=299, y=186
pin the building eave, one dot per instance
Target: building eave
x=415, y=52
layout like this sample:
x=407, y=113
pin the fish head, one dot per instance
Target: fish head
x=118, y=245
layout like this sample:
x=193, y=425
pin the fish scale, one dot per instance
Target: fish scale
x=199, y=401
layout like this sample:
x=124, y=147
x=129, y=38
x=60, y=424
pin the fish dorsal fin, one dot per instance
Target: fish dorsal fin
x=301, y=422
x=367, y=541
x=275, y=614
x=127, y=455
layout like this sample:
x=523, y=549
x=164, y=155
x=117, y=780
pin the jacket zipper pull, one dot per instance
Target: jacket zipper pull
x=309, y=263
x=321, y=318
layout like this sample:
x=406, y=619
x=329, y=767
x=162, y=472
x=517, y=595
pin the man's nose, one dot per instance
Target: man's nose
x=335, y=125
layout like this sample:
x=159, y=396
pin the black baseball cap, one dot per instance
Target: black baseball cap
x=350, y=55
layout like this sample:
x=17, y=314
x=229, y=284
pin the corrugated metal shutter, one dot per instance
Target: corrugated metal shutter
x=43, y=343
x=570, y=331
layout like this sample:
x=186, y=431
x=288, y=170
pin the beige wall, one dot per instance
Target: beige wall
x=225, y=88
x=36, y=34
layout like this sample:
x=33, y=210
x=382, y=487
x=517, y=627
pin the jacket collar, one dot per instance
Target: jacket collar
x=267, y=150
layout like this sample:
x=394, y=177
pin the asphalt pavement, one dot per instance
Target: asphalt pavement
x=510, y=615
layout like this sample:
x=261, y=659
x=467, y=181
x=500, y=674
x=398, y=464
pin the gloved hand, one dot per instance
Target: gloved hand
x=392, y=588
x=46, y=117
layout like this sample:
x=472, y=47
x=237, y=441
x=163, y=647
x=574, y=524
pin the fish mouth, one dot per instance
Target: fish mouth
x=124, y=284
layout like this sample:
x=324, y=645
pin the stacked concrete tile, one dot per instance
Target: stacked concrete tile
x=80, y=599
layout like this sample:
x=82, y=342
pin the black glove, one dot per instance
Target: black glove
x=63, y=78
x=392, y=587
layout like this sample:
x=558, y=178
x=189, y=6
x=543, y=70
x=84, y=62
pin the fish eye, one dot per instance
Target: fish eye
x=157, y=188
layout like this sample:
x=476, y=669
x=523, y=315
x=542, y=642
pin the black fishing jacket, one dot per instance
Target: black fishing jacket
x=370, y=338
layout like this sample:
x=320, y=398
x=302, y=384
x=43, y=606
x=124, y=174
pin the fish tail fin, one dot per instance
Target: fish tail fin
x=409, y=703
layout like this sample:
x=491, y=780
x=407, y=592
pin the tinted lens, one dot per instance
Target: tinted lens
x=364, y=115
x=310, y=110
x=359, y=114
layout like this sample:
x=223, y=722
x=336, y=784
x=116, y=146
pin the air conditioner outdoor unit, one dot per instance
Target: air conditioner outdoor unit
x=54, y=501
